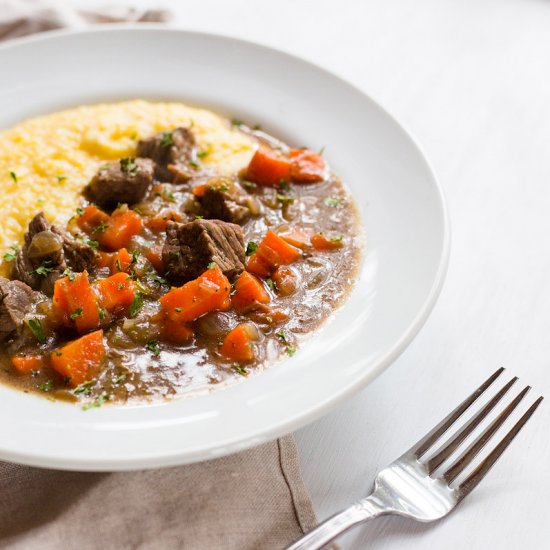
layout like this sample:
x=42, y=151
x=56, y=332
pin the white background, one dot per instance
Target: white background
x=471, y=80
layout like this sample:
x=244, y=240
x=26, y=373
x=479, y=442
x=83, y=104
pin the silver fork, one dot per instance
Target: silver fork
x=407, y=487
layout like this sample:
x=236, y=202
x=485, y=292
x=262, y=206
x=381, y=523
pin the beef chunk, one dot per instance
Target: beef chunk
x=220, y=205
x=191, y=247
x=124, y=181
x=16, y=299
x=48, y=251
x=172, y=151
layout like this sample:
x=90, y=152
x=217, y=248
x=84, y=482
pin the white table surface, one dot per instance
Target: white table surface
x=470, y=79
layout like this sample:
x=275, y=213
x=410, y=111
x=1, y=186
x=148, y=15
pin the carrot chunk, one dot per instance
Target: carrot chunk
x=208, y=292
x=322, y=242
x=80, y=360
x=268, y=168
x=76, y=302
x=119, y=229
x=154, y=255
x=307, y=166
x=248, y=290
x=272, y=252
x=158, y=223
x=122, y=261
x=91, y=218
x=296, y=237
x=117, y=292
x=27, y=363
x=237, y=345
x=175, y=332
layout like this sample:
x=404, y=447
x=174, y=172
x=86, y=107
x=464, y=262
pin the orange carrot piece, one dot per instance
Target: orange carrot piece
x=307, y=166
x=76, y=302
x=158, y=223
x=80, y=360
x=272, y=252
x=268, y=168
x=208, y=292
x=296, y=237
x=122, y=261
x=91, y=218
x=27, y=363
x=322, y=242
x=117, y=292
x=121, y=227
x=237, y=345
x=248, y=290
x=104, y=259
x=154, y=255
x=285, y=280
x=175, y=332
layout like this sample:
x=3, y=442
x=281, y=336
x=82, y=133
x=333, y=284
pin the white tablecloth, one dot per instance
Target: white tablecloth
x=471, y=80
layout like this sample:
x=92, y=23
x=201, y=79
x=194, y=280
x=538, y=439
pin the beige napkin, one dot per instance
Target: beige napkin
x=252, y=500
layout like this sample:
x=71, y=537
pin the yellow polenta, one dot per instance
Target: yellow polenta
x=46, y=161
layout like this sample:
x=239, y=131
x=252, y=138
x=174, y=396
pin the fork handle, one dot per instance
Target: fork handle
x=365, y=509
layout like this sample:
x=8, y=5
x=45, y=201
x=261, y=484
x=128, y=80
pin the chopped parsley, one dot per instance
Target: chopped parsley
x=43, y=269
x=291, y=350
x=271, y=284
x=194, y=164
x=85, y=388
x=332, y=201
x=153, y=347
x=93, y=244
x=211, y=265
x=36, y=326
x=284, y=185
x=239, y=370
x=46, y=386
x=135, y=256
x=249, y=184
x=61, y=179
x=337, y=238
x=236, y=122
x=120, y=286
x=251, y=247
x=100, y=228
x=282, y=336
x=80, y=211
x=102, y=312
x=137, y=304
x=167, y=139
x=128, y=166
x=77, y=313
x=120, y=378
x=157, y=279
x=98, y=402
x=205, y=152
x=285, y=199
x=13, y=176
x=11, y=256
x=169, y=196
x=70, y=274
x=199, y=217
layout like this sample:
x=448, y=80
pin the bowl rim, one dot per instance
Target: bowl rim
x=308, y=416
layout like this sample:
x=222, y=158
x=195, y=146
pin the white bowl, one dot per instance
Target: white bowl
x=398, y=195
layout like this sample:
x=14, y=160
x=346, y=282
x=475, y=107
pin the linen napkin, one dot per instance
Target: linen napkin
x=255, y=499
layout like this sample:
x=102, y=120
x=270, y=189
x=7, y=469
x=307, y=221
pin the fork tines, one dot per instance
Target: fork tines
x=474, y=448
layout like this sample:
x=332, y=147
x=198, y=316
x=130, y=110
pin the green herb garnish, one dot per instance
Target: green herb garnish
x=137, y=304
x=239, y=370
x=97, y=403
x=85, y=388
x=128, y=166
x=236, y=122
x=284, y=199
x=153, y=347
x=80, y=211
x=13, y=176
x=194, y=164
x=167, y=139
x=291, y=350
x=43, y=269
x=211, y=265
x=251, y=247
x=36, y=326
x=70, y=274
x=120, y=378
x=77, y=313
x=46, y=386
x=332, y=201
x=11, y=256
x=100, y=228
x=93, y=244
x=61, y=179
x=271, y=284
x=205, y=152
